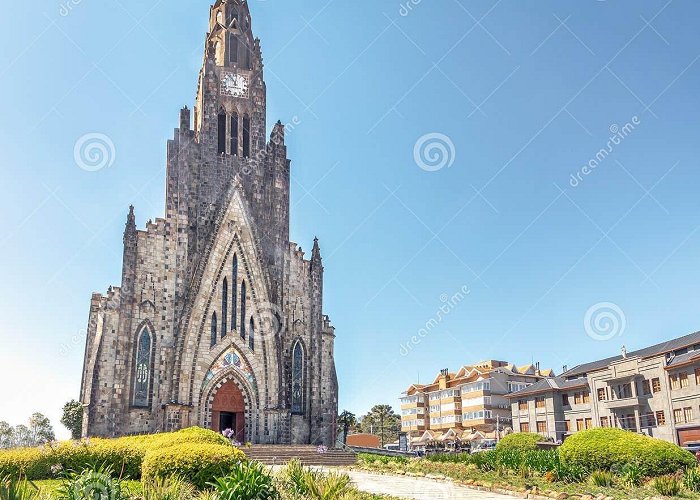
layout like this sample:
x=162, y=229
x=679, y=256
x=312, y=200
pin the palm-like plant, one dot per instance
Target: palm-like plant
x=247, y=481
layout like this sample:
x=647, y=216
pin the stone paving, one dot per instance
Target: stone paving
x=416, y=488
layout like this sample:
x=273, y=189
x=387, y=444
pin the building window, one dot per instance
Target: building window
x=246, y=136
x=542, y=427
x=522, y=405
x=586, y=397
x=222, y=132
x=646, y=387
x=683, y=379
x=578, y=398
x=697, y=376
x=143, y=369
x=243, y=294
x=605, y=421
x=679, y=381
x=539, y=403
x=688, y=415
x=213, y=330
x=234, y=134
x=678, y=416
x=655, y=385
x=234, y=293
x=579, y=424
x=660, y=418
x=298, y=378
x=525, y=427
x=224, y=308
x=565, y=400
x=588, y=423
x=568, y=425
x=233, y=48
x=602, y=394
x=251, y=335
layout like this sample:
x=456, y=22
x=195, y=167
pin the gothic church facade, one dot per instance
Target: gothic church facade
x=218, y=321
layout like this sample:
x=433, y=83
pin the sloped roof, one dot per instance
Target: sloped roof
x=552, y=384
x=647, y=352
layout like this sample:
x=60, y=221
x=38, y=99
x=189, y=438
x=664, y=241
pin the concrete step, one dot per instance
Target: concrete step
x=308, y=455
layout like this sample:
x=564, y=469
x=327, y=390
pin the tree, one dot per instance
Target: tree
x=72, y=418
x=346, y=421
x=23, y=437
x=382, y=421
x=7, y=436
x=40, y=429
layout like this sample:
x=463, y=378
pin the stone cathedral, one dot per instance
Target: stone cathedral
x=218, y=321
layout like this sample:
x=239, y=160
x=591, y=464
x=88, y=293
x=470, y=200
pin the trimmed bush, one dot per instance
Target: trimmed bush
x=197, y=463
x=521, y=441
x=123, y=456
x=612, y=449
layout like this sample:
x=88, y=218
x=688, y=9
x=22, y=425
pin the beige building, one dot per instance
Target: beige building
x=655, y=391
x=474, y=399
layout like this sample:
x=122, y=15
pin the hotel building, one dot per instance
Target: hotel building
x=472, y=399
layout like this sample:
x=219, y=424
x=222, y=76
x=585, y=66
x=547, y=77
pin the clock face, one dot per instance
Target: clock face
x=234, y=85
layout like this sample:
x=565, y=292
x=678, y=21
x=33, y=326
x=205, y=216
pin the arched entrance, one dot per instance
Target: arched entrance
x=228, y=410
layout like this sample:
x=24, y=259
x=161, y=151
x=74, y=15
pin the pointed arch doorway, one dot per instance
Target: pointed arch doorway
x=228, y=410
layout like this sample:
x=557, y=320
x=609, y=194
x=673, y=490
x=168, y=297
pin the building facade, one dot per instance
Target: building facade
x=655, y=391
x=218, y=321
x=473, y=399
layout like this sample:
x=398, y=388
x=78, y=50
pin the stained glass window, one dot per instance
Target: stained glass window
x=251, y=335
x=143, y=369
x=213, y=330
x=243, y=310
x=298, y=378
x=234, y=292
x=224, y=308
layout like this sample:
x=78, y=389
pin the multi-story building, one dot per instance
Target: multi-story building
x=474, y=399
x=655, y=391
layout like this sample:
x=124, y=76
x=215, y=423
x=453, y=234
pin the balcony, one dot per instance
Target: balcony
x=614, y=404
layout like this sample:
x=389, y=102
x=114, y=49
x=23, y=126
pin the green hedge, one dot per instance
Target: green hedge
x=124, y=456
x=197, y=463
x=521, y=441
x=612, y=449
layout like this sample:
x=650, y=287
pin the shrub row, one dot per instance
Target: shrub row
x=123, y=456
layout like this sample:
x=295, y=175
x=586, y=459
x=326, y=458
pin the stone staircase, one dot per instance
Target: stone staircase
x=308, y=455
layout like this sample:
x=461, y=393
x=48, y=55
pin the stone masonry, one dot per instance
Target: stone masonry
x=215, y=293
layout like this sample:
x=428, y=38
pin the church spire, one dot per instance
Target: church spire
x=130, y=229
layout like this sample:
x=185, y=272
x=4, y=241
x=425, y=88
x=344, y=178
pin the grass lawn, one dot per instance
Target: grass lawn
x=51, y=486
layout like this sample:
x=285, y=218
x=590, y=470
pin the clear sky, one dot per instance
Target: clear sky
x=524, y=95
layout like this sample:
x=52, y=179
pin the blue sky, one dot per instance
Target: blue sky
x=526, y=94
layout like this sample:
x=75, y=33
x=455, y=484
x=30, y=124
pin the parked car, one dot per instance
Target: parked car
x=486, y=445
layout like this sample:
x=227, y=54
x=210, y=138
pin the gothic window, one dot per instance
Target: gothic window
x=251, y=335
x=224, y=308
x=243, y=310
x=143, y=368
x=246, y=136
x=298, y=378
x=234, y=134
x=234, y=291
x=213, y=330
x=222, y=132
x=233, y=48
